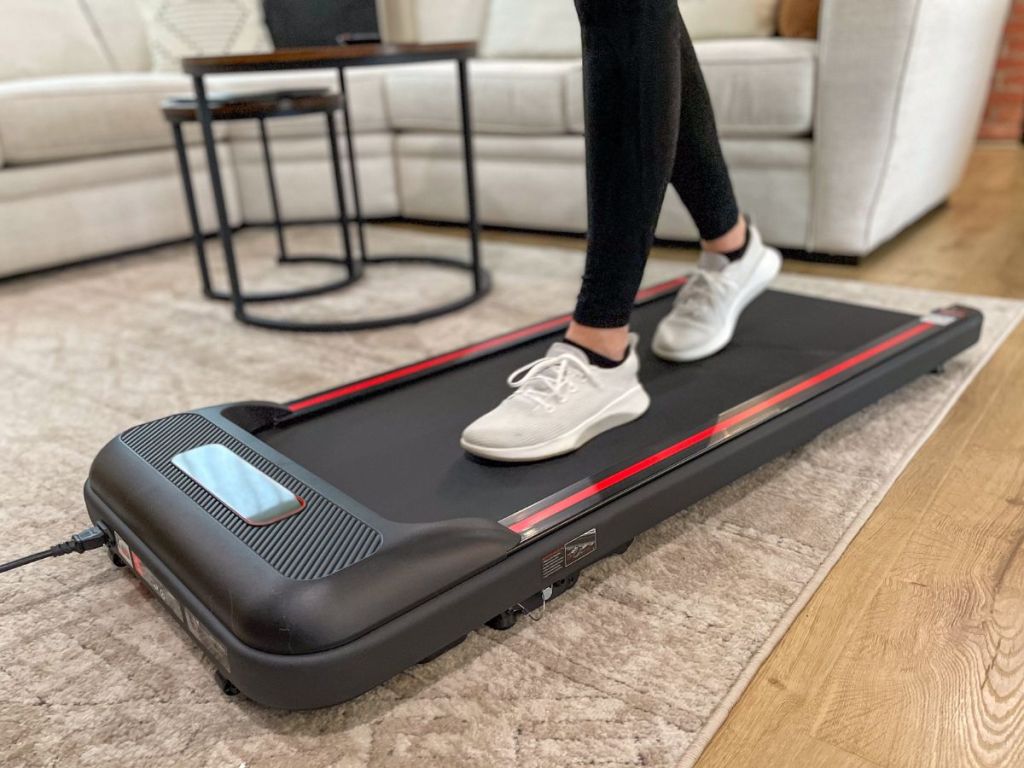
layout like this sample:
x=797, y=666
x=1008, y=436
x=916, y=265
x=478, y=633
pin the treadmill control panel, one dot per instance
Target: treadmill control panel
x=250, y=494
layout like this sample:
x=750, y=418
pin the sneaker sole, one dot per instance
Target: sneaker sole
x=770, y=266
x=629, y=407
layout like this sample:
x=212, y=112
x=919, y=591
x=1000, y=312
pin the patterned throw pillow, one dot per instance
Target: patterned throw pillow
x=729, y=18
x=181, y=28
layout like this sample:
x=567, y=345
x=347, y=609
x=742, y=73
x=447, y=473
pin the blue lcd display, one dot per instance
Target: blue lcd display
x=250, y=494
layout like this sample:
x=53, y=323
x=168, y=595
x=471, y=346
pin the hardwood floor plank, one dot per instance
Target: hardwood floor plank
x=786, y=698
x=951, y=667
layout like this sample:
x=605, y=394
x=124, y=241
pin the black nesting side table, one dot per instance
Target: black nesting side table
x=262, y=107
x=340, y=58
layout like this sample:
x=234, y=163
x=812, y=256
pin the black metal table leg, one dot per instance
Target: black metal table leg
x=235, y=295
x=357, y=208
x=467, y=150
x=339, y=191
x=190, y=205
x=481, y=281
x=275, y=207
x=480, y=277
x=224, y=223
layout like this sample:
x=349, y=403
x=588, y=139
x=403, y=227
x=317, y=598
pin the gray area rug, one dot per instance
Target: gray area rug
x=636, y=666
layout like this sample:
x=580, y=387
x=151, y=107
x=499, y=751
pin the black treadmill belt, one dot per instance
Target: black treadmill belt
x=398, y=452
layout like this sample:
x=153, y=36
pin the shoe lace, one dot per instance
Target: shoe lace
x=702, y=291
x=547, y=380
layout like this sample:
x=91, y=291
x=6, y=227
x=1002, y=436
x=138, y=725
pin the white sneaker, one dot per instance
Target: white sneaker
x=560, y=402
x=706, y=310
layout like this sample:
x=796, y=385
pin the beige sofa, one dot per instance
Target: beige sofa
x=87, y=166
x=835, y=145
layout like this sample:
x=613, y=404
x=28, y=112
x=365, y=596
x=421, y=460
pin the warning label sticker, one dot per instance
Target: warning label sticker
x=124, y=551
x=568, y=553
x=552, y=562
x=158, y=588
x=205, y=638
x=581, y=546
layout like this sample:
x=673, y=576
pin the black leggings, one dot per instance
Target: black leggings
x=648, y=121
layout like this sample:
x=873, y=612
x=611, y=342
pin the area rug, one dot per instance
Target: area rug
x=636, y=666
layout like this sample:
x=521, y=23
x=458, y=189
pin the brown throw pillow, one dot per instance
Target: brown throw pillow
x=799, y=18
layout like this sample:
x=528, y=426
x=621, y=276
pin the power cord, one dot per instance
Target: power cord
x=91, y=538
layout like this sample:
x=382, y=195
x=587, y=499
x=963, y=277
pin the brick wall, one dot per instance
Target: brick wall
x=1004, y=118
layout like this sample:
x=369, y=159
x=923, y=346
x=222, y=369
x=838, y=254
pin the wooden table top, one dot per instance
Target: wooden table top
x=362, y=54
x=249, y=106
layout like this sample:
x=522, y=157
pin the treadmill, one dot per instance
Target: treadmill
x=316, y=548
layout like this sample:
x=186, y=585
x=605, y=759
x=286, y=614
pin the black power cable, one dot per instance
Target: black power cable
x=91, y=538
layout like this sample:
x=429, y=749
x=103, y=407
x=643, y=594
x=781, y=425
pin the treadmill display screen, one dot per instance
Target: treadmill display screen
x=250, y=494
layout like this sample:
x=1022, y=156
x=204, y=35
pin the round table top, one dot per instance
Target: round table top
x=252, y=106
x=360, y=54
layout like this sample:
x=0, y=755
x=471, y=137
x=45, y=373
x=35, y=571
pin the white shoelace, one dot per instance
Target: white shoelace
x=703, y=290
x=547, y=379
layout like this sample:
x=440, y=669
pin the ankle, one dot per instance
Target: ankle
x=732, y=242
x=596, y=358
x=610, y=343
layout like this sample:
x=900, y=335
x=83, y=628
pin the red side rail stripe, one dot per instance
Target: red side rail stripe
x=709, y=432
x=425, y=365
x=459, y=354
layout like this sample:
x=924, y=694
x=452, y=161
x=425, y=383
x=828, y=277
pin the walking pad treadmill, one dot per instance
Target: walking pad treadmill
x=316, y=548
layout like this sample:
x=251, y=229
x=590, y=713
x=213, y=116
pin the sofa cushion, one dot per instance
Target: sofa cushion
x=531, y=29
x=71, y=117
x=40, y=39
x=729, y=18
x=61, y=118
x=506, y=96
x=758, y=87
x=543, y=29
x=121, y=32
x=431, y=21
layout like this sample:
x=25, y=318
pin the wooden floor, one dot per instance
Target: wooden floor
x=912, y=652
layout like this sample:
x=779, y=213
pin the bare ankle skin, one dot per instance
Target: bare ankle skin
x=609, y=342
x=732, y=240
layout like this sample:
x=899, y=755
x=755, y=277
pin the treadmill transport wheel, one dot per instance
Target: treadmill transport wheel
x=226, y=686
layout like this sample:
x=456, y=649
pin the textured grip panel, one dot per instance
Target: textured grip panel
x=321, y=540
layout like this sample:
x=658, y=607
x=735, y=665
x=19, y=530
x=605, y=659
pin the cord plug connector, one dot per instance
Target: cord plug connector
x=93, y=537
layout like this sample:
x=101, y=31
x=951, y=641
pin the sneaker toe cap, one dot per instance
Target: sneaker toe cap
x=679, y=333
x=493, y=431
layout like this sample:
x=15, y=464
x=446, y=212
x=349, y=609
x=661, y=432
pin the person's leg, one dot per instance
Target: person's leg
x=700, y=174
x=632, y=97
x=735, y=266
x=644, y=97
x=590, y=384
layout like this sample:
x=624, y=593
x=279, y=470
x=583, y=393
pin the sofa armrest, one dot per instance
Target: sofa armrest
x=431, y=21
x=901, y=89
